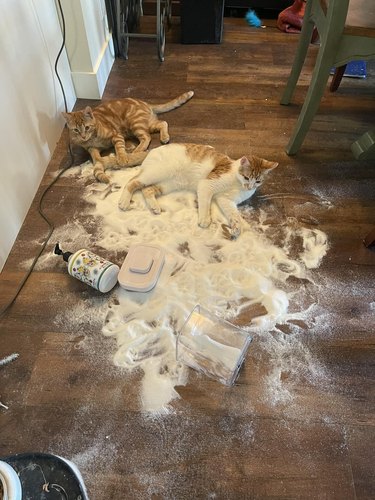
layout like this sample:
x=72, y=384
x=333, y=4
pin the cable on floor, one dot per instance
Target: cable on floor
x=40, y=203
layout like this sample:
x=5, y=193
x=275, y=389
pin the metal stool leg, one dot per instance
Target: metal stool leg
x=128, y=13
x=122, y=11
x=160, y=30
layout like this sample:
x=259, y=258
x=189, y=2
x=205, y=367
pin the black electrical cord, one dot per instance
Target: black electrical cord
x=40, y=210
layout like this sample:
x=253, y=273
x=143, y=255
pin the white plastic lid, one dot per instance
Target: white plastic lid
x=141, y=268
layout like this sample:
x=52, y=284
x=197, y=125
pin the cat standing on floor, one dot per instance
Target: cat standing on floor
x=107, y=125
x=199, y=168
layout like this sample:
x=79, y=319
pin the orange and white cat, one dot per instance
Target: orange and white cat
x=108, y=124
x=199, y=168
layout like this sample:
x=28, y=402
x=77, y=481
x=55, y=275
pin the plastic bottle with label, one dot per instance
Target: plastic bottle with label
x=90, y=268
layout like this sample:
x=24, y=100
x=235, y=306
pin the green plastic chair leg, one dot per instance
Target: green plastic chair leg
x=323, y=65
x=310, y=106
x=303, y=45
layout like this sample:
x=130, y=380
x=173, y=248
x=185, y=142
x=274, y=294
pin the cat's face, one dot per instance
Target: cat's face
x=81, y=125
x=252, y=172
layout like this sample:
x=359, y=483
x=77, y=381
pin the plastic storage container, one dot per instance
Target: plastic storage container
x=212, y=345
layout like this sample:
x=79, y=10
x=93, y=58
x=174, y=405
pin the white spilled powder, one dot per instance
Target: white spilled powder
x=75, y=234
x=314, y=246
x=201, y=267
x=87, y=313
x=263, y=271
x=158, y=387
x=289, y=360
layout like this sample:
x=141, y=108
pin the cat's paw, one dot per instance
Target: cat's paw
x=99, y=173
x=103, y=178
x=226, y=231
x=165, y=139
x=231, y=232
x=235, y=228
x=204, y=221
x=124, y=201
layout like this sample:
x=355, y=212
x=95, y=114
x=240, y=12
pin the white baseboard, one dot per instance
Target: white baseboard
x=90, y=85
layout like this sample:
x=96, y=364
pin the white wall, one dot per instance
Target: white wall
x=31, y=103
x=31, y=100
x=89, y=46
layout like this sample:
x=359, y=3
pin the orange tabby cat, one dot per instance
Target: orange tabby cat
x=109, y=123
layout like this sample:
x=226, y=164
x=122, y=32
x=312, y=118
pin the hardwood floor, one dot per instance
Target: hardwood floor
x=299, y=423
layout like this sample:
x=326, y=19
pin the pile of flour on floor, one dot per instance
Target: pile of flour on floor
x=201, y=267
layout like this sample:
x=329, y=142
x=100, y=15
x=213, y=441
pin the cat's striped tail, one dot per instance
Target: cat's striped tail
x=110, y=161
x=173, y=104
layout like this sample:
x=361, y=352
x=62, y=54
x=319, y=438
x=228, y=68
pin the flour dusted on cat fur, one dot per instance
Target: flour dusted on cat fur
x=203, y=170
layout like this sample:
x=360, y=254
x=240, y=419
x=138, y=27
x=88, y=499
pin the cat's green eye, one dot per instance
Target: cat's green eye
x=76, y=130
x=87, y=128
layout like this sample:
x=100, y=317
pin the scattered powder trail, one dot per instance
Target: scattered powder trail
x=265, y=270
x=201, y=267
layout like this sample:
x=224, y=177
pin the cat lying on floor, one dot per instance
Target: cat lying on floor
x=109, y=123
x=199, y=168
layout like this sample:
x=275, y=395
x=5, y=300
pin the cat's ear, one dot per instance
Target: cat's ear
x=87, y=113
x=244, y=162
x=269, y=165
x=66, y=116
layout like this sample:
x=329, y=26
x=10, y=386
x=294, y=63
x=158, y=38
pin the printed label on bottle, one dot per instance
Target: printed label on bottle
x=88, y=267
